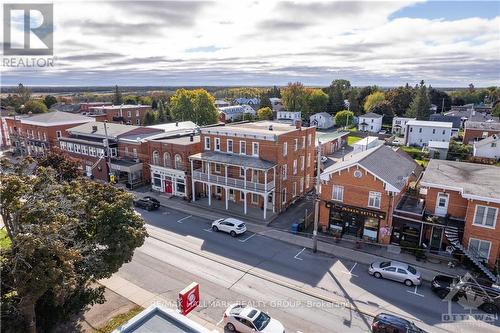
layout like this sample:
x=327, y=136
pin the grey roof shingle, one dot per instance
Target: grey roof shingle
x=371, y=115
x=233, y=159
x=112, y=129
x=482, y=125
x=57, y=117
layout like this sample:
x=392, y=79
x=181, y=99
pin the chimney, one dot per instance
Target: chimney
x=271, y=127
x=94, y=129
x=298, y=124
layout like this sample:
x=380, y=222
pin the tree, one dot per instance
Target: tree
x=117, y=98
x=276, y=92
x=64, y=237
x=34, y=107
x=364, y=93
x=181, y=104
x=420, y=105
x=196, y=105
x=336, y=95
x=49, y=100
x=154, y=104
x=265, y=113
x=294, y=97
x=352, y=99
x=24, y=93
x=130, y=99
x=344, y=118
x=150, y=118
x=373, y=99
x=384, y=108
x=264, y=99
x=496, y=110
x=316, y=100
x=400, y=99
x=437, y=97
x=66, y=168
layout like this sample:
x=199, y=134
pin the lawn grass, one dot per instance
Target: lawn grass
x=422, y=162
x=352, y=139
x=119, y=320
x=4, y=240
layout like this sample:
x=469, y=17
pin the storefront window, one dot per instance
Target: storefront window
x=157, y=180
x=371, y=228
x=180, y=187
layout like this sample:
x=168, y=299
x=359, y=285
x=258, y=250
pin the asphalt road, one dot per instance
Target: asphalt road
x=307, y=292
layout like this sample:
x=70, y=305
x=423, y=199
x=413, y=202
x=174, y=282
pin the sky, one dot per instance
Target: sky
x=263, y=43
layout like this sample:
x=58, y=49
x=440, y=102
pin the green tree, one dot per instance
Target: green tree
x=344, y=118
x=144, y=100
x=400, y=99
x=23, y=93
x=420, y=105
x=34, y=107
x=352, y=98
x=264, y=99
x=64, y=237
x=336, y=92
x=496, y=110
x=373, y=99
x=49, y=100
x=130, y=99
x=181, y=104
x=196, y=105
x=438, y=98
x=149, y=118
x=162, y=116
x=384, y=108
x=265, y=113
x=117, y=97
x=154, y=104
x=65, y=167
x=294, y=97
x=363, y=94
x=316, y=100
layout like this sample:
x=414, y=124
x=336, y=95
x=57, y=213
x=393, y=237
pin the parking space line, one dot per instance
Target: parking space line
x=350, y=271
x=415, y=292
x=244, y=240
x=184, y=218
x=297, y=255
x=220, y=321
x=208, y=230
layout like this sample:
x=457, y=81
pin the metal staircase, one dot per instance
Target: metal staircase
x=452, y=236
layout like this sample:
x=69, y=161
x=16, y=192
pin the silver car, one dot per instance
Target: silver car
x=396, y=271
x=246, y=319
x=230, y=225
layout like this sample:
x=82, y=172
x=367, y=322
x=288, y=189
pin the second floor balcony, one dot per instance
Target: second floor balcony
x=233, y=182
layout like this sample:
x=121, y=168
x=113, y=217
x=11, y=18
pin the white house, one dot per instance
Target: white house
x=321, y=120
x=220, y=103
x=370, y=122
x=366, y=143
x=276, y=104
x=488, y=148
x=438, y=149
x=288, y=115
x=235, y=112
x=420, y=132
x=399, y=125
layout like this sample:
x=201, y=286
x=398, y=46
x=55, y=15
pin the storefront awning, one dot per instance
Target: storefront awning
x=125, y=166
x=233, y=159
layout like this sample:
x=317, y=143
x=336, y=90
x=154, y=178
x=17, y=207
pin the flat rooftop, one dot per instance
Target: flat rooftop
x=430, y=123
x=183, y=140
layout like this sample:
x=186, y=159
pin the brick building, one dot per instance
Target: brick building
x=475, y=131
x=32, y=135
x=266, y=165
x=121, y=114
x=358, y=195
x=469, y=193
x=85, y=107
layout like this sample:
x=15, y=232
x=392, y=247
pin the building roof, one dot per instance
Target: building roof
x=183, y=140
x=384, y=163
x=264, y=130
x=233, y=159
x=366, y=141
x=243, y=100
x=324, y=114
x=474, y=181
x=487, y=141
x=472, y=115
x=371, y=115
x=175, y=126
x=455, y=120
x=427, y=123
x=329, y=136
x=484, y=125
x=63, y=107
x=118, y=107
x=97, y=129
x=55, y=118
x=439, y=144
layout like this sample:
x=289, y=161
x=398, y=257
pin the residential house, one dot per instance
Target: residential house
x=482, y=108
x=321, y=120
x=438, y=149
x=253, y=102
x=420, y=132
x=488, y=148
x=455, y=120
x=276, y=104
x=121, y=114
x=472, y=115
x=475, y=131
x=65, y=107
x=370, y=122
x=467, y=193
x=235, y=112
x=366, y=143
x=220, y=103
x=261, y=165
x=331, y=141
x=290, y=116
x=35, y=134
x=399, y=125
x=358, y=195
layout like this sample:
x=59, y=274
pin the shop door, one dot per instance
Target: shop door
x=436, y=237
x=168, y=186
x=353, y=226
x=442, y=204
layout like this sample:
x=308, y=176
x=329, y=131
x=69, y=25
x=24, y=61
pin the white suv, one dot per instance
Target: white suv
x=232, y=226
x=245, y=319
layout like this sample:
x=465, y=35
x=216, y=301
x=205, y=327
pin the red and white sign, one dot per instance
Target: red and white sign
x=189, y=298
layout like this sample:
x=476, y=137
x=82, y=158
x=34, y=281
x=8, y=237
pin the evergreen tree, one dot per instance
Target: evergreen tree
x=154, y=104
x=117, y=98
x=162, y=117
x=420, y=105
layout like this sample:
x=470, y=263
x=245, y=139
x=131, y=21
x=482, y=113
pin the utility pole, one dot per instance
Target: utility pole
x=442, y=106
x=316, y=203
x=108, y=153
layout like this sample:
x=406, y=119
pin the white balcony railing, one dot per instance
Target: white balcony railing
x=232, y=182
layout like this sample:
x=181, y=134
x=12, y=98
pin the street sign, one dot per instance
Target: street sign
x=189, y=298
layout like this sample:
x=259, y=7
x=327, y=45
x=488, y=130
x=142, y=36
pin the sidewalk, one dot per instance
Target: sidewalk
x=146, y=298
x=366, y=255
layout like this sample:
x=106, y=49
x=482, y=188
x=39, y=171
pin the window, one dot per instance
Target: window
x=255, y=148
x=309, y=139
x=308, y=159
x=77, y=148
x=433, y=131
x=167, y=162
x=485, y=216
x=480, y=248
x=156, y=158
x=411, y=129
x=229, y=146
x=178, y=162
x=493, y=144
x=137, y=121
x=294, y=189
x=283, y=196
x=217, y=144
x=218, y=190
x=137, y=114
x=63, y=145
x=129, y=114
x=92, y=151
x=296, y=144
x=242, y=172
x=374, y=199
x=255, y=175
x=308, y=180
x=294, y=167
x=301, y=186
x=135, y=152
x=243, y=147
x=255, y=198
x=44, y=136
x=126, y=152
x=284, y=171
x=113, y=152
x=285, y=148
x=217, y=168
x=420, y=130
x=100, y=152
x=338, y=193
x=302, y=162
x=242, y=196
x=207, y=143
x=303, y=141
x=85, y=150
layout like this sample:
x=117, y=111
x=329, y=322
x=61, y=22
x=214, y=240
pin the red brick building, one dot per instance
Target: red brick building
x=85, y=107
x=32, y=135
x=359, y=194
x=121, y=114
x=266, y=165
x=475, y=130
x=469, y=193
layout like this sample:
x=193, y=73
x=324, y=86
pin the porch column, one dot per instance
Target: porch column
x=193, y=194
x=226, y=189
x=245, y=203
x=265, y=204
x=245, y=173
x=225, y=173
x=274, y=199
x=209, y=194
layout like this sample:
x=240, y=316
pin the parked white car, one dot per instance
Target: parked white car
x=230, y=225
x=245, y=319
x=396, y=271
